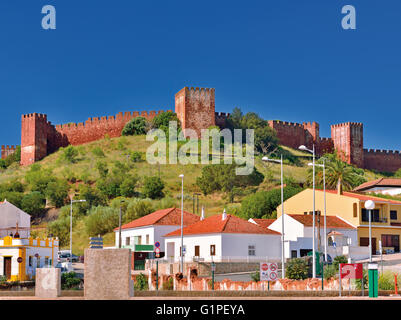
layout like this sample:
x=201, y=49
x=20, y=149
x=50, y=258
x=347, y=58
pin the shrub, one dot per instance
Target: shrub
x=102, y=168
x=13, y=197
x=330, y=271
x=136, y=156
x=33, y=203
x=136, y=126
x=69, y=154
x=57, y=192
x=69, y=280
x=38, y=178
x=255, y=276
x=98, y=152
x=127, y=188
x=161, y=121
x=297, y=269
x=339, y=259
x=153, y=187
x=141, y=283
x=386, y=281
x=101, y=220
x=92, y=196
x=169, y=284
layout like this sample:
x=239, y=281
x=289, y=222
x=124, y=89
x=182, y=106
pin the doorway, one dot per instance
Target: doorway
x=7, y=267
x=364, y=242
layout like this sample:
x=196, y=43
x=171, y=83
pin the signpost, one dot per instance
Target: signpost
x=96, y=243
x=19, y=259
x=268, y=271
x=213, y=267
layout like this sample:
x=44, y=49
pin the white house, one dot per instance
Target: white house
x=390, y=186
x=341, y=236
x=10, y=216
x=20, y=254
x=146, y=230
x=224, y=237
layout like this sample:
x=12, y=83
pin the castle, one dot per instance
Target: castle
x=195, y=108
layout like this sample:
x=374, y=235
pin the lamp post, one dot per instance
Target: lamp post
x=370, y=205
x=324, y=200
x=303, y=148
x=282, y=212
x=72, y=201
x=182, y=222
x=119, y=225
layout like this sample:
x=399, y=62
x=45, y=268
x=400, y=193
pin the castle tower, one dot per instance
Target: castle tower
x=33, y=138
x=195, y=108
x=348, y=142
x=311, y=133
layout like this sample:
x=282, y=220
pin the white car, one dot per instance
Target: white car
x=65, y=267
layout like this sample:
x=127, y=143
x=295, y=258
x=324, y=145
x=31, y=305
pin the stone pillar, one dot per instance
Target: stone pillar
x=108, y=274
x=48, y=283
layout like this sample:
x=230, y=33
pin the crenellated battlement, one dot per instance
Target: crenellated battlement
x=285, y=123
x=7, y=151
x=37, y=116
x=381, y=151
x=347, y=124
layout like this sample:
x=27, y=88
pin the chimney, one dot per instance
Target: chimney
x=203, y=214
x=224, y=215
x=339, y=187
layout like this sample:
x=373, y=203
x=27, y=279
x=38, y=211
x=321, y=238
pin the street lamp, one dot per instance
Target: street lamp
x=182, y=222
x=303, y=148
x=266, y=159
x=324, y=195
x=72, y=201
x=370, y=205
x=119, y=224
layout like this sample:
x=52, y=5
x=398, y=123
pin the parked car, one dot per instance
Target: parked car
x=63, y=256
x=65, y=267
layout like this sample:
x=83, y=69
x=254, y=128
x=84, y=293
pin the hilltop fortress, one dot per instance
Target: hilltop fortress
x=195, y=108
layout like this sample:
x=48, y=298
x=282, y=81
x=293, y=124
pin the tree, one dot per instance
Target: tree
x=265, y=139
x=101, y=220
x=297, y=269
x=161, y=121
x=57, y=192
x=337, y=171
x=13, y=197
x=153, y=187
x=263, y=204
x=137, y=209
x=33, y=203
x=61, y=228
x=92, y=196
x=38, y=178
x=101, y=167
x=222, y=177
x=136, y=126
x=127, y=188
x=398, y=173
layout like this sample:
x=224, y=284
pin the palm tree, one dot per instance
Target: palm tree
x=337, y=173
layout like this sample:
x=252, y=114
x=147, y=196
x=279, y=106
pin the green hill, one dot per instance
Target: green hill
x=83, y=170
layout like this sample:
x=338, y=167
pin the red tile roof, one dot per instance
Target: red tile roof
x=331, y=221
x=364, y=197
x=215, y=224
x=168, y=217
x=382, y=182
x=264, y=222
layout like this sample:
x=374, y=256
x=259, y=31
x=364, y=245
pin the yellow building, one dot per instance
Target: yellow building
x=20, y=257
x=386, y=218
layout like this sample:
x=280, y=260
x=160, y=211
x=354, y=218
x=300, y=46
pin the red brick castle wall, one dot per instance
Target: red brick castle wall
x=7, y=151
x=382, y=160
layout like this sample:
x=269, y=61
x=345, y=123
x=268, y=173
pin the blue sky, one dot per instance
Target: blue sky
x=287, y=60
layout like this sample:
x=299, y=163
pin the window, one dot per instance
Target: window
x=212, y=250
x=127, y=241
x=197, y=251
x=375, y=215
x=147, y=239
x=30, y=261
x=138, y=240
x=293, y=253
x=393, y=215
x=252, y=250
x=46, y=261
x=355, y=210
x=38, y=262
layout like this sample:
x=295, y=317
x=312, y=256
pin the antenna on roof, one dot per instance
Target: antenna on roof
x=203, y=214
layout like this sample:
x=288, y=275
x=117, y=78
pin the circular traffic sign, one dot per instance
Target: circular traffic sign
x=36, y=255
x=157, y=250
x=273, y=267
x=265, y=267
x=157, y=244
x=19, y=259
x=273, y=276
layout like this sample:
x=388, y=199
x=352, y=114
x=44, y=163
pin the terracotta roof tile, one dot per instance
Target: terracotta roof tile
x=170, y=217
x=382, y=182
x=264, y=222
x=331, y=221
x=215, y=224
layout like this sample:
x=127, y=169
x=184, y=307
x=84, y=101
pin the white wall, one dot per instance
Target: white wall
x=9, y=215
x=292, y=228
x=155, y=233
x=385, y=190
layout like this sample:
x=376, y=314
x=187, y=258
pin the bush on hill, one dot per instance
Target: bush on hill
x=153, y=187
x=33, y=203
x=136, y=126
x=101, y=220
x=61, y=228
x=57, y=192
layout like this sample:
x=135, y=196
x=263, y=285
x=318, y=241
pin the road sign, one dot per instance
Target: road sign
x=19, y=260
x=157, y=244
x=36, y=255
x=157, y=250
x=268, y=271
x=96, y=243
x=334, y=244
x=351, y=270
